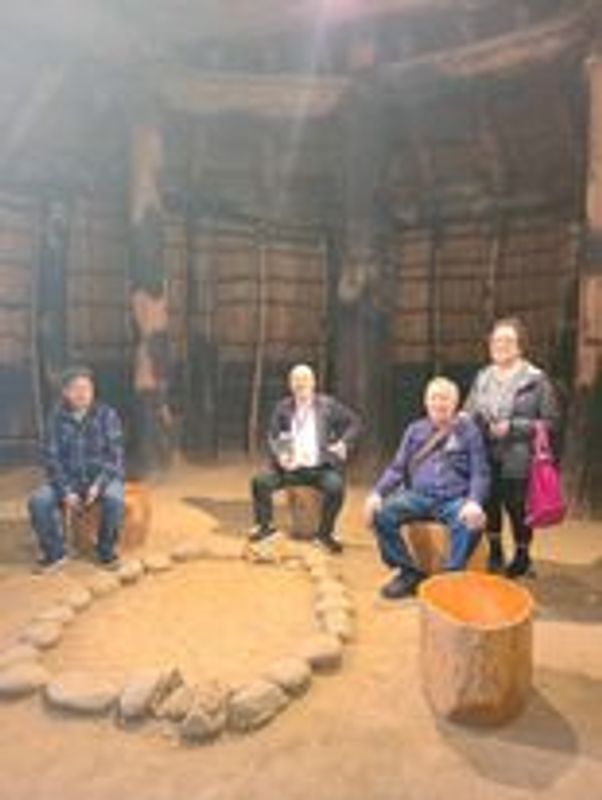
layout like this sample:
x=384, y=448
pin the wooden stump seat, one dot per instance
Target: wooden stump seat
x=429, y=543
x=304, y=509
x=136, y=520
x=476, y=646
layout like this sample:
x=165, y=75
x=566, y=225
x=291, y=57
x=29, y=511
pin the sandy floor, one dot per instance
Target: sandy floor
x=366, y=733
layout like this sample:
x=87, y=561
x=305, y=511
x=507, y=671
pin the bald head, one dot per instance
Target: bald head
x=302, y=382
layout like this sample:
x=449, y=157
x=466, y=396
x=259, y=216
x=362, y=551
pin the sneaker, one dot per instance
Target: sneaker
x=47, y=566
x=403, y=584
x=329, y=543
x=258, y=533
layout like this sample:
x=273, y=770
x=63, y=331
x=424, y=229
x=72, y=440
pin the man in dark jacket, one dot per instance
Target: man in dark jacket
x=440, y=472
x=309, y=440
x=83, y=460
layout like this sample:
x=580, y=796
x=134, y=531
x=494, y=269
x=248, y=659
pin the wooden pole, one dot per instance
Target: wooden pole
x=149, y=302
x=260, y=344
x=584, y=446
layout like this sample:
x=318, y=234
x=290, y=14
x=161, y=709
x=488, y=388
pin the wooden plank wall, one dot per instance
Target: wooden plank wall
x=452, y=283
x=257, y=285
x=18, y=417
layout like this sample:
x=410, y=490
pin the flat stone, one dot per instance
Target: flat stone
x=331, y=588
x=255, y=705
x=157, y=562
x=176, y=705
x=130, y=571
x=82, y=692
x=207, y=716
x=17, y=654
x=291, y=674
x=79, y=599
x=144, y=689
x=223, y=548
x=323, y=652
x=188, y=551
x=319, y=572
x=42, y=634
x=22, y=678
x=338, y=624
x=334, y=603
x=61, y=613
x=104, y=585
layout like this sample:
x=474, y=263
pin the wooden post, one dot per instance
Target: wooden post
x=51, y=305
x=584, y=449
x=149, y=302
x=361, y=361
x=253, y=433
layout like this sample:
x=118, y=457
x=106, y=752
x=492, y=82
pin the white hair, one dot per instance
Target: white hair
x=444, y=386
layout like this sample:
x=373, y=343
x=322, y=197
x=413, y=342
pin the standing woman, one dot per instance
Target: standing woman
x=506, y=399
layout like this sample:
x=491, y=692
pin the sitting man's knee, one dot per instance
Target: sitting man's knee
x=41, y=499
x=332, y=483
x=113, y=496
x=261, y=482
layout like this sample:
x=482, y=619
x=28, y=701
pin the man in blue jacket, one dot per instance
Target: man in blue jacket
x=309, y=441
x=440, y=472
x=83, y=460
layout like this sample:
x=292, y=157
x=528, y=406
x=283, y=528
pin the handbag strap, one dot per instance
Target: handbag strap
x=423, y=452
x=541, y=441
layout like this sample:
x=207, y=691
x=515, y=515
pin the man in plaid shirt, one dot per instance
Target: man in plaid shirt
x=83, y=460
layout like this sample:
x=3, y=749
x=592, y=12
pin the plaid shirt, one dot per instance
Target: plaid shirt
x=77, y=453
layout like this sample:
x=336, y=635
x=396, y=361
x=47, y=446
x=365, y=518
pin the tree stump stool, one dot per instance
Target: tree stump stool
x=136, y=520
x=476, y=646
x=429, y=543
x=304, y=508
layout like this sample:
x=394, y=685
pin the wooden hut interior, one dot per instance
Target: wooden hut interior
x=244, y=185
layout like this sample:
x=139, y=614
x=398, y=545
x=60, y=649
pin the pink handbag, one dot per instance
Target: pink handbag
x=545, y=504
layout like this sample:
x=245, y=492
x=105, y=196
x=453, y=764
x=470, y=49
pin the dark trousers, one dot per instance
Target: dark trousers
x=406, y=506
x=326, y=479
x=46, y=520
x=509, y=495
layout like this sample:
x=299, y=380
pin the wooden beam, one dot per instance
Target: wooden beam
x=193, y=92
x=514, y=51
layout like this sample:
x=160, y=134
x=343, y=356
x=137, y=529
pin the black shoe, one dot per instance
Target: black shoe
x=495, y=561
x=329, y=543
x=111, y=563
x=520, y=566
x=403, y=584
x=258, y=533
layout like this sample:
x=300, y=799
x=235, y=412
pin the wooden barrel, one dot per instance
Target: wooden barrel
x=429, y=543
x=476, y=646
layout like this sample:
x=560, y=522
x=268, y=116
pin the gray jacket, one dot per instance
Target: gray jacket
x=532, y=399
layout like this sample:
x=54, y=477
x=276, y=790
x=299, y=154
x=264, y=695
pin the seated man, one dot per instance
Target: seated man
x=440, y=472
x=83, y=458
x=309, y=439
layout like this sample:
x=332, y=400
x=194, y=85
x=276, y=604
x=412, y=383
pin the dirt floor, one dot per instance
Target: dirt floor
x=365, y=733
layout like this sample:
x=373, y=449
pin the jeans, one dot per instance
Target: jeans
x=326, y=479
x=407, y=506
x=46, y=520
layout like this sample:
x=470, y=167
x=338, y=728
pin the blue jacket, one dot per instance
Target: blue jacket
x=77, y=454
x=456, y=468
